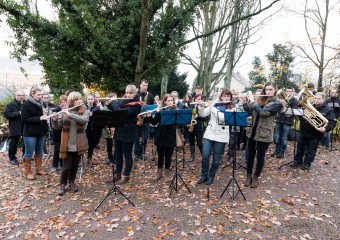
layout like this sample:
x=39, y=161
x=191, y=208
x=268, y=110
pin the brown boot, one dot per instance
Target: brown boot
x=248, y=181
x=255, y=182
x=117, y=176
x=159, y=175
x=38, y=164
x=168, y=176
x=61, y=190
x=27, y=167
x=124, y=180
x=73, y=187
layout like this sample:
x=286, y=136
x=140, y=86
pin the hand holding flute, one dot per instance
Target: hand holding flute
x=54, y=115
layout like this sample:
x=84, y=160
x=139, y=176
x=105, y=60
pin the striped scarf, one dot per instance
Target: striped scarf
x=65, y=135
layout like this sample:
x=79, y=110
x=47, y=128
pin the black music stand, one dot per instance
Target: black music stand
x=234, y=119
x=176, y=118
x=111, y=119
x=296, y=112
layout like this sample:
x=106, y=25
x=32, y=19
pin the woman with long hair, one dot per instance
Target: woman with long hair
x=216, y=136
x=34, y=119
x=73, y=142
x=91, y=131
x=261, y=134
x=165, y=138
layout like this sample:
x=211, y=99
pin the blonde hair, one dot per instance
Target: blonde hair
x=34, y=90
x=72, y=97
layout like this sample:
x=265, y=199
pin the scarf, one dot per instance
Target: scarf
x=65, y=135
x=35, y=102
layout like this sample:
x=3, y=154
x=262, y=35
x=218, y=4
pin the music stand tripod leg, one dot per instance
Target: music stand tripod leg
x=114, y=189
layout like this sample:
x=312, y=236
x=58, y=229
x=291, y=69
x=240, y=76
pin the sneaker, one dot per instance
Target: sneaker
x=53, y=169
x=273, y=154
x=210, y=181
x=305, y=167
x=14, y=161
x=280, y=155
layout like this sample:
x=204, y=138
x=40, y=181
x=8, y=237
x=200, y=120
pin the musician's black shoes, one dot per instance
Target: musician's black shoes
x=305, y=167
x=202, y=180
x=14, y=161
x=295, y=165
x=210, y=181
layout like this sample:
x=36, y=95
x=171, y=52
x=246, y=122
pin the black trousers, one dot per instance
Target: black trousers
x=199, y=139
x=109, y=144
x=70, y=168
x=167, y=153
x=259, y=149
x=12, y=147
x=306, y=147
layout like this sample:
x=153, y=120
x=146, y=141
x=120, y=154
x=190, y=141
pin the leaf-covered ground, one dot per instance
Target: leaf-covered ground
x=289, y=204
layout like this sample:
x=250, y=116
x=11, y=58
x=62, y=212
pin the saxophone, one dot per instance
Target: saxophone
x=193, y=121
x=140, y=118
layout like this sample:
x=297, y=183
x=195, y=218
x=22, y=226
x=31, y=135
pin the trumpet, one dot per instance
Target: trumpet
x=150, y=111
x=68, y=109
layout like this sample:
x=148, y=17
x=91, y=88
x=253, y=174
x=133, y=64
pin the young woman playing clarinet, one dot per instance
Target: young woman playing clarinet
x=73, y=143
x=165, y=139
x=260, y=135
x=215, y=136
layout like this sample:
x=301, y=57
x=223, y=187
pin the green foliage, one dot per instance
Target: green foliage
x=96, y=43
x=3, y=102
x=257, y=76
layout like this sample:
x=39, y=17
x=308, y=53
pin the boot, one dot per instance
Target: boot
x=117, y=176
x=248, y=181
x=61, y=190
x=73, y=187
x=159, y=175
x=255, y=182
x=168, y=176
x=124, y=180
x=27, y=167
x=192, y=154
x=38, y=164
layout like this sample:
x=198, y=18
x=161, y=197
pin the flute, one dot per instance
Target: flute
x=150, y=111
x=68, y=109
x=197, y=103
x=106, y=98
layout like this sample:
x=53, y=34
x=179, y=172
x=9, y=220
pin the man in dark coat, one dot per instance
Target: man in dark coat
x=13, y=114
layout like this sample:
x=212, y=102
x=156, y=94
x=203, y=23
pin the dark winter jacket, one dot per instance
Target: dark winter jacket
x=128, y=132
x=283, y=118
x=165, y=135
x=13, y=114
x=200, y=121
x=56, y=134
x=309, y=131
x=30, y=116
x=334, y=103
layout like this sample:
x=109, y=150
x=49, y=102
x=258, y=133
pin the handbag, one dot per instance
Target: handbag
x=179, y=139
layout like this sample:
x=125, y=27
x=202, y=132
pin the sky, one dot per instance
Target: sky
x=280, y=29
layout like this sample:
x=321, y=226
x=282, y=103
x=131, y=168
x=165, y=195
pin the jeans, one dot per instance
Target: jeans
x=34, y=144
x=56, y=161
x=146, y=132
x=12, y=147
x=326, y=140
x=306, y=147
x=259, y=149
x=123, y=148
x=217, y=149
x=281, y=137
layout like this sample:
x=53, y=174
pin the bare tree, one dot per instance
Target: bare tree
x=318, y=51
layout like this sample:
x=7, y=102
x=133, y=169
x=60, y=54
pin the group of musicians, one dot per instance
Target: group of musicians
x=74, y=135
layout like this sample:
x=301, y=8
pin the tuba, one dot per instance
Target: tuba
x=310, y=114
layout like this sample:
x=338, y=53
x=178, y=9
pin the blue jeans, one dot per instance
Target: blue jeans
x=281, y=137
x=326, y=140
x=138, y=144
x=34, y=144
x=208, y=147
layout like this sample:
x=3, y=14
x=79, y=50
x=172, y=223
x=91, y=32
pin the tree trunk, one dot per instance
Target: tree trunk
x=232, y=47
x=164, y=84
x=143, y=41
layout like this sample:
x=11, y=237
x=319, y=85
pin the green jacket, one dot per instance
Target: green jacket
x=265, y=127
